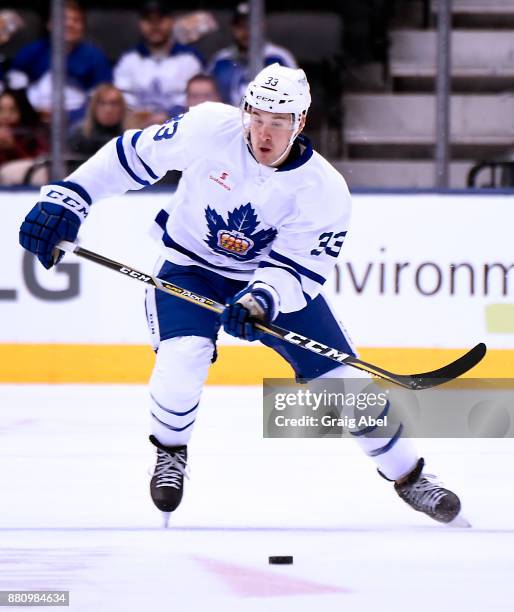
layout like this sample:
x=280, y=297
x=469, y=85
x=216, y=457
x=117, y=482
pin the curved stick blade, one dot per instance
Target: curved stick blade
x=450, y=371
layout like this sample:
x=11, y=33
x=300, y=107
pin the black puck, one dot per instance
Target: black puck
x=281, y=560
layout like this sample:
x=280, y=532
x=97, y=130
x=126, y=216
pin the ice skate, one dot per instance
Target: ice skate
x=425, y=494
x=167, y=483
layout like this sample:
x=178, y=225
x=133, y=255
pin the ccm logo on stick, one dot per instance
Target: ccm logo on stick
x=315, y=347
x=134, y=274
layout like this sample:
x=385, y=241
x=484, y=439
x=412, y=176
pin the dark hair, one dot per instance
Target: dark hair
x=201, y=76
x=157, y=7
x=74, y=5
x=241, y=13
x=28, y=115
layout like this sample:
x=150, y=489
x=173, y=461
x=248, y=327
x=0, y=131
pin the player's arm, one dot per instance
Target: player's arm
x=134, y=160
x=293, y=273
x=137, y=158
x=301, y=260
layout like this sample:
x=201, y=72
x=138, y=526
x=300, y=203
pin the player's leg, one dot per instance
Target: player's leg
x=176, y=383
x=184, y=340
x=395, y=456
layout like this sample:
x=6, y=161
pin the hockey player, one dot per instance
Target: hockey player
x=258, y=222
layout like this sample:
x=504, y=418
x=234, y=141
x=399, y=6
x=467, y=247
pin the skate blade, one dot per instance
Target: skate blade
x=459, y=521
x=165, y=519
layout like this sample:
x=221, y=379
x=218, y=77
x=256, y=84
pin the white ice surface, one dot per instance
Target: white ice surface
x=75, y=514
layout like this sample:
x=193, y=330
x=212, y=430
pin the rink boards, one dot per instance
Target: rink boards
x=421, y=278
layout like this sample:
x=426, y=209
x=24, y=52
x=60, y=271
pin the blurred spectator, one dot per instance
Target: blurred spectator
x=229, y=66
x=105, y=119
x=153, y=76
x=10, y=23
x=87, y=66
x=23, y=137
x=201, y=88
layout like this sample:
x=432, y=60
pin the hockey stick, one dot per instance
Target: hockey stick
x=423, y=380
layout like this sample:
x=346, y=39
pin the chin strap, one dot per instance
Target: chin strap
x=294, y=135
x=280, y=159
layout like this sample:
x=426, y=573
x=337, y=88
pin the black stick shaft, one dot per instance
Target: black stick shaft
x=408, y=381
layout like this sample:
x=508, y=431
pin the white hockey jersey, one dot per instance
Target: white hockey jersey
x=230, y=214
x=156, y=83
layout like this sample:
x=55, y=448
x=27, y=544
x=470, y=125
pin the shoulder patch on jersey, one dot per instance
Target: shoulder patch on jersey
x=236, y=237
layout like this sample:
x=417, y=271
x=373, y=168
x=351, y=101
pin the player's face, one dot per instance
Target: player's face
x=270, y=134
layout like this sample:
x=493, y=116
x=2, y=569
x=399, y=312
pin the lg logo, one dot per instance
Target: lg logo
x=29, y=263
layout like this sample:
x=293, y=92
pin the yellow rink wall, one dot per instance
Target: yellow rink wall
x=412, y=274
x=236, y=365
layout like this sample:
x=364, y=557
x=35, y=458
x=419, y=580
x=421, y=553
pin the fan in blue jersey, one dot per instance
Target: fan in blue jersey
x=258, y=222
x=86, y=67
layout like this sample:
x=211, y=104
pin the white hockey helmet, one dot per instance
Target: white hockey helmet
x=278, y=89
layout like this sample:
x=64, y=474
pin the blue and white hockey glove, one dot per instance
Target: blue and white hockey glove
x=255, y=303
x=57, y=216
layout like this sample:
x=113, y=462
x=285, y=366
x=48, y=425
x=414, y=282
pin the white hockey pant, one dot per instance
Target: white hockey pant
x=394, y=455
x=180, y=371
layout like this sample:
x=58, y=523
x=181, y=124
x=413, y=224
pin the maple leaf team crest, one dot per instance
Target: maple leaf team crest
x=237, y=237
